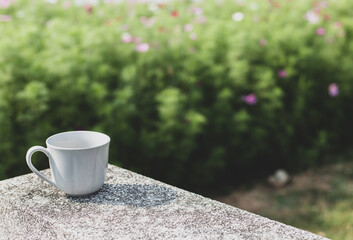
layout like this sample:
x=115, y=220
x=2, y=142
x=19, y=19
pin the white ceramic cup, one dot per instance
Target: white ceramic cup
x=78, y=161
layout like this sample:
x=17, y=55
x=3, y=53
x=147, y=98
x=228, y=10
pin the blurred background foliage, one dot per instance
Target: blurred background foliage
x=194, y=93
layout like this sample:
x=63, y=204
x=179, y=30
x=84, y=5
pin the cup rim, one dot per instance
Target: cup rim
x=107, y=140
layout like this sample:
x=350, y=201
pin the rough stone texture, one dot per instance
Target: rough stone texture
x=129, y=206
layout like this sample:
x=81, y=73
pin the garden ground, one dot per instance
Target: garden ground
x=318, y=200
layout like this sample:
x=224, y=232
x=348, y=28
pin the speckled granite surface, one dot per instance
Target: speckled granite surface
x=129, y=206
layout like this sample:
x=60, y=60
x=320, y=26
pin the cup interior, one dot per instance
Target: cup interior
x=77, y=140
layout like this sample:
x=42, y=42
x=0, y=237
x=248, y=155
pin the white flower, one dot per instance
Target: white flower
x=238, y=16
x=83, y=2
x=240, y=2
x=153, y=7
x=52, y=1
x=312, y=17
x=254, y=6
x=20, y=14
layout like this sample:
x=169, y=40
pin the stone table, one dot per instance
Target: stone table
x=128, y=206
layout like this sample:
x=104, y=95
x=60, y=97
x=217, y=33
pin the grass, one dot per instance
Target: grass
x=319, y=201
x=327, y=212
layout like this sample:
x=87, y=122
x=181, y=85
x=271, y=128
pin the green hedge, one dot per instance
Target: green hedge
x=191, y=92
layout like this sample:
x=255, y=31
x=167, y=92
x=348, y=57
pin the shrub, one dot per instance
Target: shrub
x=191, y=92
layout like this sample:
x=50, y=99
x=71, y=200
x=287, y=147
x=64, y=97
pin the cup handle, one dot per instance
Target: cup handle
x=29, y=154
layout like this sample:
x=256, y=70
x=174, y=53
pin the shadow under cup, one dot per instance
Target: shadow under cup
x=78, y=161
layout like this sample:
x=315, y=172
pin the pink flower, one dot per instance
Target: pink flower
x=126, y=37
x=327, y=17
x=188, y=27
x=148, y=22
x=263, y=42
x=320, y=31
x=137, y=40
x=5, y=18
x=175, y=14
x=88, y=8
x=125, y=27
x=193, y=36
x=333, y=90
x=338, y=24
x=197, y=11
x=282, y=73
x=143, y=19
x=66, y=4
x=5, y=3
x=201, y=19
x=142, y=47
x=249, y=99
x=323, y=4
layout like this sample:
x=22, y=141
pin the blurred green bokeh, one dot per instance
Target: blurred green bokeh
x=194, y=93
